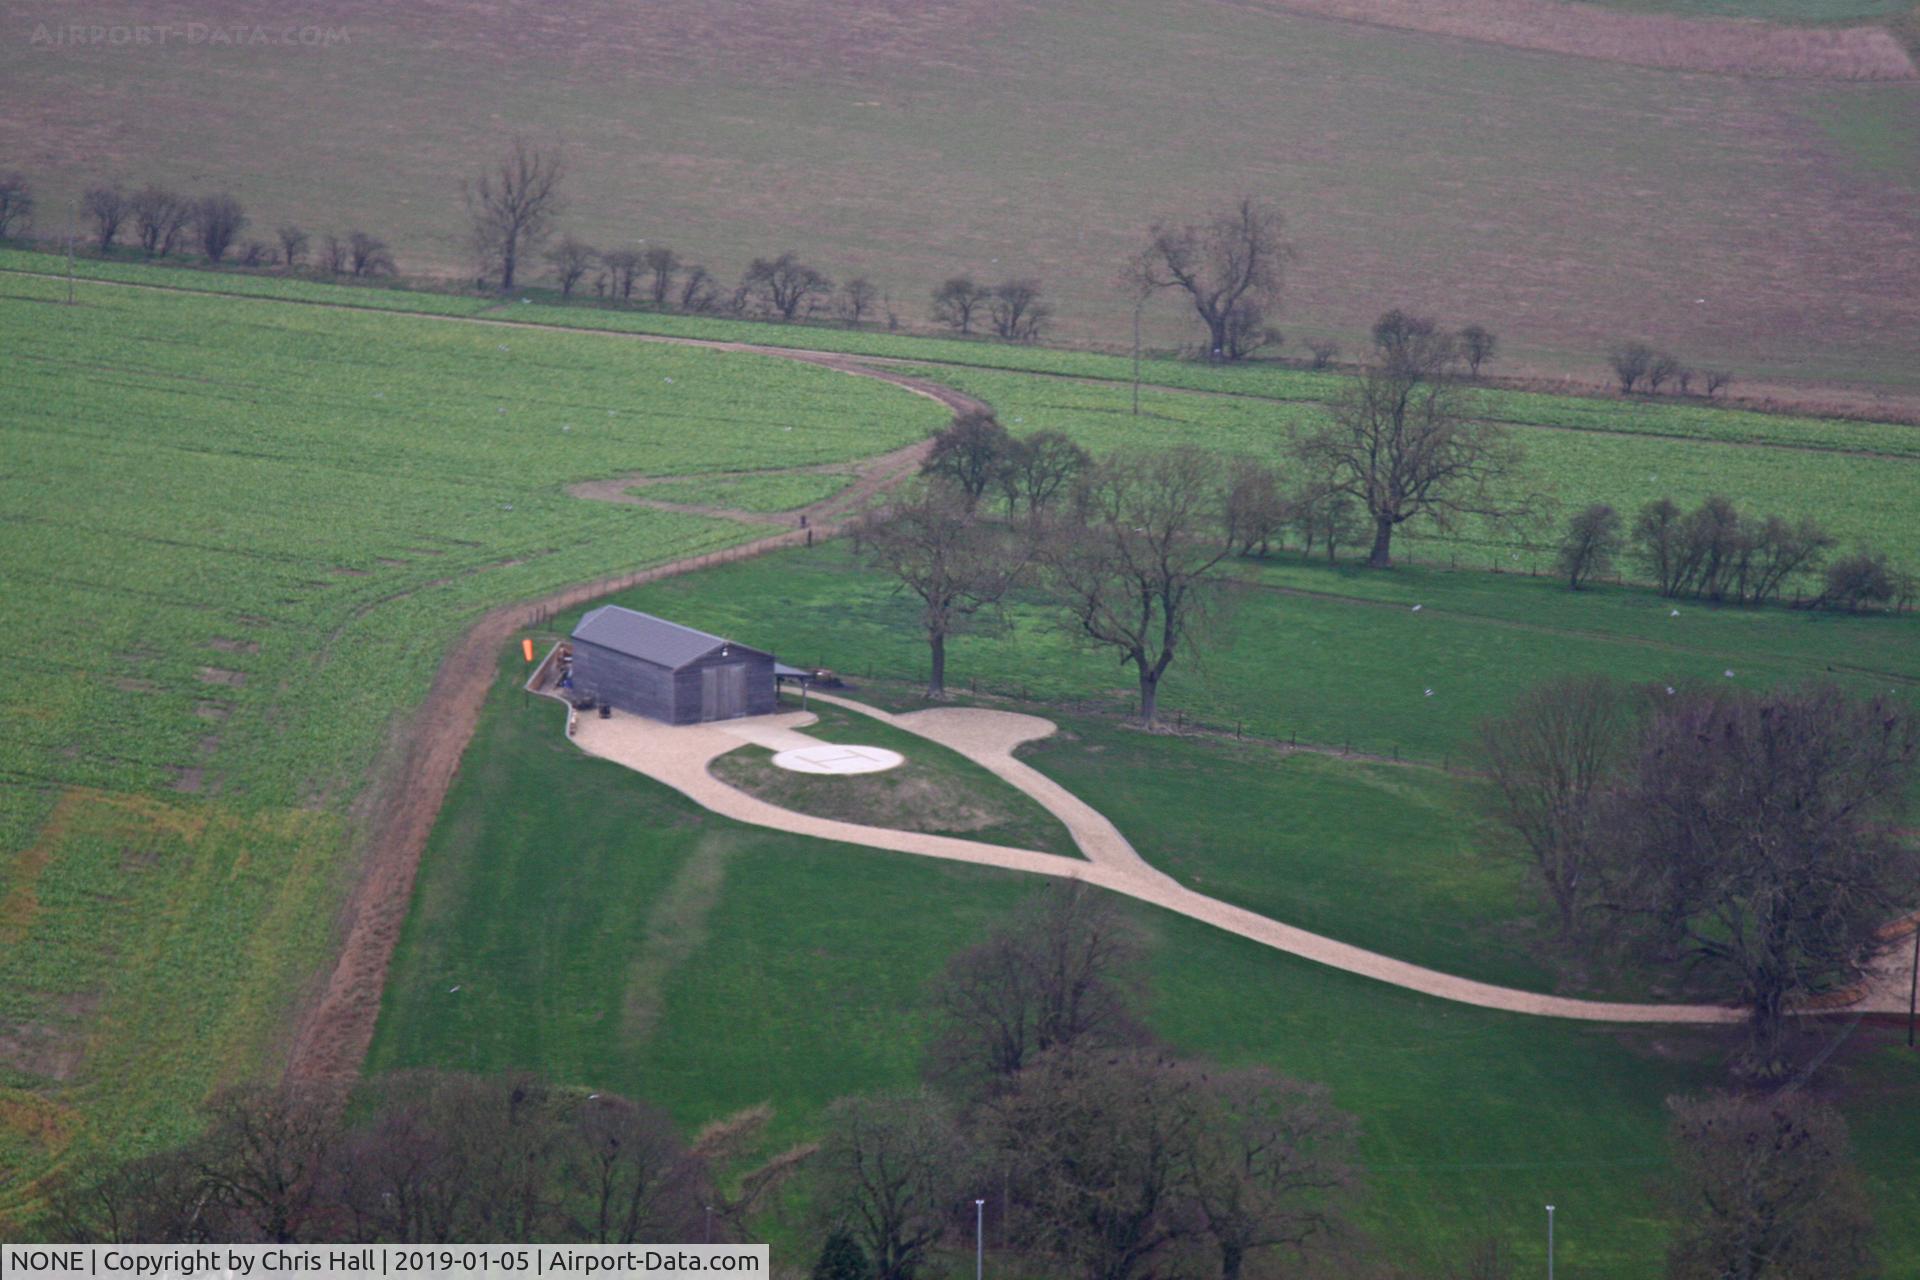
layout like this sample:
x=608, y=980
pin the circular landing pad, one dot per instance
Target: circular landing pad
x=834, y=758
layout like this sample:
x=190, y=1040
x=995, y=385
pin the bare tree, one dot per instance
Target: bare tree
x=623, y=268
x=256, y=253
x=1273, y=1165
x=333, y=255
x=571, y=259
x=1134, y=565
x=368, y=255
x=1593, y=538
x=16, y=203
x=1657, y=540
x=698, y=290
x=1630, y=362
x=935, y=545
x=1760, y=835
x=1764, y=1188
x=1324, y=350
x=156, y=1199
x=293, y=244
x=1232, y=258
x=626, y=1176
x=1040, y=469
x=1247, y=331
x=1477, y=346
x=888, y=1174
x=217, y=220
x=1100, y=1152
x=1716, y=381
x=108, y=209
x=1017, y=310
x=1400, y=441
x=1061, y=974
x=1257, y=509
x=956, y=300
x=159, y=218
x=1324, y=512
x=1552, y=760
x=511, y=207
x=265, y=1155
x=1864, y=579
x=972, y=455
x=661, y=265
x=784, y=286
x=1663, y=369
x=857, y=297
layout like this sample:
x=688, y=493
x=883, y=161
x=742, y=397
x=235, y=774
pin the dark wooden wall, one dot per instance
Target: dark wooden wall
x=622, y=682
x=634, y=685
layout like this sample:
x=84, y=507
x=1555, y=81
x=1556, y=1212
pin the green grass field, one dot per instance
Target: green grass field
x=249, y=531
x=600, y=928
x=771, y=493
x=250, y=526
x=1336, y=657
x=1562, y=201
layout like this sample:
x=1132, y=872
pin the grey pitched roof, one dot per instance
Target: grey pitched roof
x=641, y=635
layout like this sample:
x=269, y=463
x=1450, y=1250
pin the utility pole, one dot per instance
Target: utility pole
x=1139, y=302
x=1913, y=992
x=73, y=216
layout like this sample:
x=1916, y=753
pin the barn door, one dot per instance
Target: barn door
x=723, y=692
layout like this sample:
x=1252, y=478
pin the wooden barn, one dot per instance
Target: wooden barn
x=635, y=662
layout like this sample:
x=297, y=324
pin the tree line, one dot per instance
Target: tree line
x=1049, y=1128
x=1757, y=839
x=1719, y=553
x=1229, y=266
x=1130, y=549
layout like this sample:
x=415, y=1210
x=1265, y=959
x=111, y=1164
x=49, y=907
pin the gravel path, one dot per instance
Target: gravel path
x=680, y=757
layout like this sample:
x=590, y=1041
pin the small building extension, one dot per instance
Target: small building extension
x=635, y=662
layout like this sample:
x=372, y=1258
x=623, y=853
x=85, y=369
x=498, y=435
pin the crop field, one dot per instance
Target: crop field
x=769, y=494
x=1566, y=202
x=248, y=532
x=1689, y=418
x=712, y=966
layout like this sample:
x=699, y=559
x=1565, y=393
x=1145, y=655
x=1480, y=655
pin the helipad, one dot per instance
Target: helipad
x=831, y=757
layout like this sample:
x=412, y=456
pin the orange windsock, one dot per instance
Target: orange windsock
x=526, y=647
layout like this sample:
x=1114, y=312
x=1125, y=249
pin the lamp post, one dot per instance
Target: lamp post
x=709, y=1224
x=1913, y=992
x=1549, y=1242
x=979, y=1239
x=1138, y=303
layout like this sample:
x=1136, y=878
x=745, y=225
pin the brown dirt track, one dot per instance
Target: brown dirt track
x=332, y=1034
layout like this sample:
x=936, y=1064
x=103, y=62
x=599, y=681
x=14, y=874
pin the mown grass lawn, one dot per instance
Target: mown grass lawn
x=600, y=928
x=935, y=790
